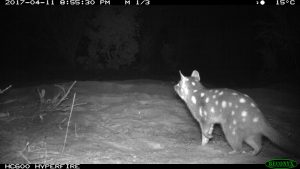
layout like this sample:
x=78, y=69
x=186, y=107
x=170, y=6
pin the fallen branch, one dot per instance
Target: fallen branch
x=22, y=155
x=2, y=91
x=55, y=103
x=66, y=94
x=69, y=122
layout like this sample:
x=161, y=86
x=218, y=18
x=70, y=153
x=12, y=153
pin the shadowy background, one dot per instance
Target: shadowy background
x=228, y=45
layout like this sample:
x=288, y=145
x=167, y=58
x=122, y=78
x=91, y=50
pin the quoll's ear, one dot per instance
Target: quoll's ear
x=182, y=76
x=196, y=75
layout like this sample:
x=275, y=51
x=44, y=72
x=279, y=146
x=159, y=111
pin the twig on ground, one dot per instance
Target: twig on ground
x=69, y=122
x=22, y=155
x=54, y=103
x=66, y=94
x=67, y=107
x=2, y=91
x=76, y=135
x=59, y=126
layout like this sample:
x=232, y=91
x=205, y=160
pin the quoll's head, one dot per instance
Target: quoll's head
x=188, y=85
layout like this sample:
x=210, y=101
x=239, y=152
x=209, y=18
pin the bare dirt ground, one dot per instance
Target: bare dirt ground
x=139, y=121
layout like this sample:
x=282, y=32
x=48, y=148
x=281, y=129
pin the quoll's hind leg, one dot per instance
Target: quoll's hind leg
x=255, y=142
x=234, y=140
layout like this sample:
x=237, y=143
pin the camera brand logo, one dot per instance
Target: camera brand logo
x=281, y=163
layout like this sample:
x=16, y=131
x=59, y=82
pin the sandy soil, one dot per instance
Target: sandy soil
x=138, y=121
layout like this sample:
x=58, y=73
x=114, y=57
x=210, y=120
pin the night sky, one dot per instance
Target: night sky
x=228, y=44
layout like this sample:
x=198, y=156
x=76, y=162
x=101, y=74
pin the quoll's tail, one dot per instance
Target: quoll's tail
x=283, y=142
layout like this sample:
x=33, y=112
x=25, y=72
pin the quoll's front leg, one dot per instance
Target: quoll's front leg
x=204, y=140
x=207, y=129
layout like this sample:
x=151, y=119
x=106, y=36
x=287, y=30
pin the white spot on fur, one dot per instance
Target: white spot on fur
x=224, y=104
x=207, y=100
x=230, y=126
x=242, y=100
x=244, y=113
x=205, y=113
x=236, y=106
x=244, y=119
x=246, y=95
x=194, y=99
x=195, y=91
x=255, y=119
x=229, y=104
x=200, y=111
x=234, y=94
x=221, y=93
x=202, y=94
x=216, y=91
x=253, y=105
x=233, y=132
x=212, y=110
x=217, y=102
x=214, y=96
x=232, y=113
x=193, y=83
x=234, y=122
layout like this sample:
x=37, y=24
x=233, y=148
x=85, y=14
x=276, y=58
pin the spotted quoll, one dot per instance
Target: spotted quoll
x=239, y=116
